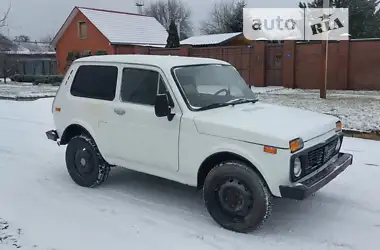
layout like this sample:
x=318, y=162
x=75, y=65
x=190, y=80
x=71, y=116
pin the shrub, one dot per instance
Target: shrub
x=15, y=78
x=56, y=83
x=37, y=79
x=101, y=52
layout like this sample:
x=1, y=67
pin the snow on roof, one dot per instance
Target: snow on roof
x=36, y=46
x=121, y=27
x=209, y=39
x=27, y=52
x=149, y=45
x=154, y=60
x=8, y=46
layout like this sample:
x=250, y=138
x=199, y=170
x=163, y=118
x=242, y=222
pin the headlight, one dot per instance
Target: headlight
x=297, y=167
x=295, y=145
x=338, y=144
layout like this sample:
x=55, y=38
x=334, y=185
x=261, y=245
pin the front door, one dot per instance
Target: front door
x=144, y=141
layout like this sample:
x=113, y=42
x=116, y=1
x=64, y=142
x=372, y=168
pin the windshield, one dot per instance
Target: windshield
x=213, y=85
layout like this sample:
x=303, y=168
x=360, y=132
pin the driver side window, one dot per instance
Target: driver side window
x=140, y=86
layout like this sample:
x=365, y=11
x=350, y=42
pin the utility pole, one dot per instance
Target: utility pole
x=325, y=53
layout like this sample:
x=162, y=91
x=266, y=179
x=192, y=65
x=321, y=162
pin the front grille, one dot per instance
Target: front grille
x=319, y=156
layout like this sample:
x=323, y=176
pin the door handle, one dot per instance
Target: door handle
x=119, y=111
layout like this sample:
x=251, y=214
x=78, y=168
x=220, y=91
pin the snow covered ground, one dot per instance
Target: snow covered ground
x=7, y=79
x=20, y=91
x=358, y=110
x=42, y=209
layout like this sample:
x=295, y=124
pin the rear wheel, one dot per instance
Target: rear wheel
x=236, y=197
x=84, y=162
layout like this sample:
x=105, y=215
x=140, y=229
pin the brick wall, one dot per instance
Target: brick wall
x=364, y=65
x=70, y=42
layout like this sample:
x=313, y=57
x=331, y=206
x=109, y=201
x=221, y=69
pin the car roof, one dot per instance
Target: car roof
x=154, y=60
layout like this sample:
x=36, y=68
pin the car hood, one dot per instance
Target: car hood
x=265, y=124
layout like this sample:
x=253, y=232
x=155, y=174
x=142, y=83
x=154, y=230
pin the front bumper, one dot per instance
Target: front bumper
x=301, y=190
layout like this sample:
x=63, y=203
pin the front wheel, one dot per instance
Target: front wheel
x=236, y=197
x=84, y=162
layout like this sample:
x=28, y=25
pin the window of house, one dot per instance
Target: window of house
x=82, y=30
x=141, y=86
x=95, y=81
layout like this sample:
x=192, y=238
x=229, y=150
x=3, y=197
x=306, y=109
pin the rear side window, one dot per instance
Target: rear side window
x=95, y=81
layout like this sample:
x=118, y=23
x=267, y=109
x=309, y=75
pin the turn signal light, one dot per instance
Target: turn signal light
x=270, y=150
x=339, y=126
x=57, y=109
x=295, y=145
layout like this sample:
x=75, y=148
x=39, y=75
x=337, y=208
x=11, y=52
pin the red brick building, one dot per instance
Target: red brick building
x=89, y=31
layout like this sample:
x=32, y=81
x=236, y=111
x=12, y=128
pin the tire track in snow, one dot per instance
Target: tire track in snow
x=24, y=121
x=152, y=212
x=6, y=237
x=149, y=199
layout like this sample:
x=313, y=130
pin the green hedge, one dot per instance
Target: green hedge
x=38, y=79
x=101, y=52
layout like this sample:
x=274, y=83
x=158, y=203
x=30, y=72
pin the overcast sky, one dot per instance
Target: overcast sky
x=38, y=18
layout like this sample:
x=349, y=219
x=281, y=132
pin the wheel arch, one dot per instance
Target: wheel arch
x=71, y=131
x=216, y=158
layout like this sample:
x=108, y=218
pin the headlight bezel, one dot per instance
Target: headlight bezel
x=293, y=177
x=294, y=167
x=339, y=142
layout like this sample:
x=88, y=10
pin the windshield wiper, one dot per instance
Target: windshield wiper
x=214, y=105
x=241, y=100
x=230, y=102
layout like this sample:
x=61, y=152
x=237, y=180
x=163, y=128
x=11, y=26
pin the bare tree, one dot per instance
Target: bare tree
x=22, y=39
x=4, y=17
x=5, y=44
x=165, y=11
x=47, y=39
x=225, y=18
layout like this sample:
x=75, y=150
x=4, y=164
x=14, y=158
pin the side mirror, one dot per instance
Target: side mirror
x=161, y=106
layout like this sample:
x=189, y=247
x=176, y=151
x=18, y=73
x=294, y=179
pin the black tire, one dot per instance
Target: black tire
x=84, y=162
x=237, y=176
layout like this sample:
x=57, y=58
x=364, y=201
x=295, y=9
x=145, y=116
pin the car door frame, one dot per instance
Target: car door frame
x=84, y=111
x=176, y=109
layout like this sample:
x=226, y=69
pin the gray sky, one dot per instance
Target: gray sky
x=38, y=18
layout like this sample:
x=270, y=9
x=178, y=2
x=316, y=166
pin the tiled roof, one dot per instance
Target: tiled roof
x=121, y=27
x=209, y=39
